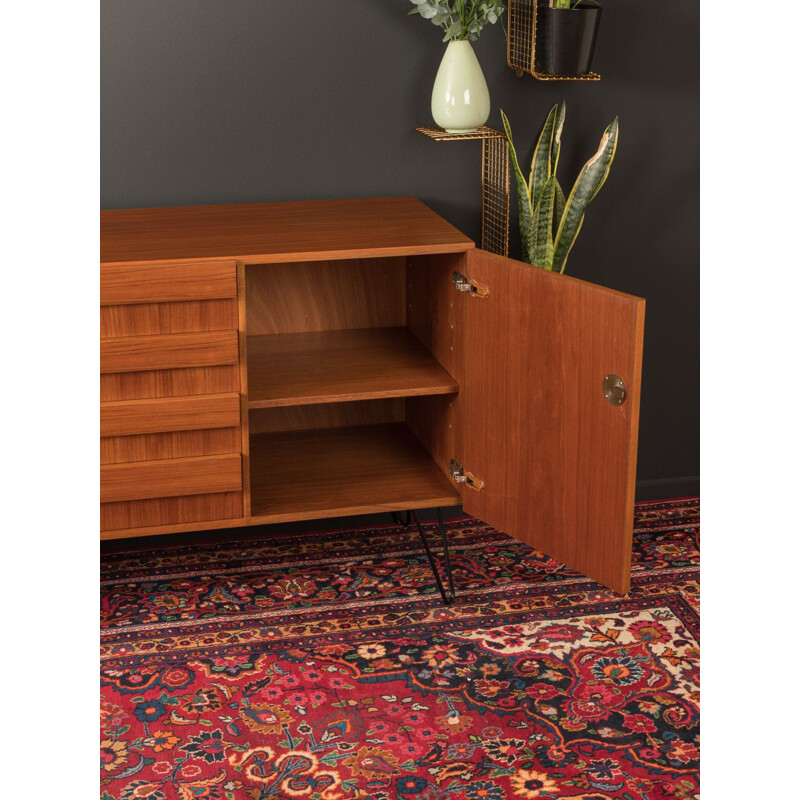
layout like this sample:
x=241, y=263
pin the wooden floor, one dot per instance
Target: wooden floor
x=340, y=471
x=334, y=366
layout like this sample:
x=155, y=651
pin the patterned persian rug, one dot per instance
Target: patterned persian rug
x=324, y=666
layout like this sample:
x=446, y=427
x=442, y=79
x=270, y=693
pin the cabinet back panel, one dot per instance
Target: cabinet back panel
x=326, y=415
x=325, y=295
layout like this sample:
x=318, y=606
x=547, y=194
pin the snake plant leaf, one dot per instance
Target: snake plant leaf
x=541, y=162
x=555, y=150
x=523, y=195
x=560, y=203
x=541, y=254
x=589, y=182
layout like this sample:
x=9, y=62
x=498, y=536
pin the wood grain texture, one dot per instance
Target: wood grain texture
x=314, y=474
x=145, y=319
x=173, y=444
x=152, y=283
x=131, y=417
x=558, y=461
x=241, y=307
x=266, y=232
x=327, y=415
x=144, y=353
x=168, y=514
x=169, y=382
x=334, y=366
x=433, y=318
x=325, y=296
x=170, y=478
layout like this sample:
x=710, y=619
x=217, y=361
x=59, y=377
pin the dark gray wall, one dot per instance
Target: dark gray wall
x=226, y=101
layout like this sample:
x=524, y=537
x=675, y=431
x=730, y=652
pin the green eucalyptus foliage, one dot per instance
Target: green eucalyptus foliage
x=549, y=222
x=460, y=19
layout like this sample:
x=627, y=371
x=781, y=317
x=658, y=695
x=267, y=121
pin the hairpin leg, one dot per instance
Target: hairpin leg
x=405, y=521
x=446, y=599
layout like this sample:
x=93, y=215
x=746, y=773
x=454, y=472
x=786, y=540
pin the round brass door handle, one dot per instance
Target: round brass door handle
x=614, y=389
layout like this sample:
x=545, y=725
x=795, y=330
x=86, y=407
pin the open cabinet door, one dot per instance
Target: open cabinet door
x=557, y=459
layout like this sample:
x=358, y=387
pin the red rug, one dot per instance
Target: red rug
x=324, y=666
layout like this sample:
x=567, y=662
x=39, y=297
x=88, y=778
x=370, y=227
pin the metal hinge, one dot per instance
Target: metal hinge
x=459, y=475
x=463, y=284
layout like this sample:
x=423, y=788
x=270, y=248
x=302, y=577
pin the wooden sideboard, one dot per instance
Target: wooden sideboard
x=271, y=362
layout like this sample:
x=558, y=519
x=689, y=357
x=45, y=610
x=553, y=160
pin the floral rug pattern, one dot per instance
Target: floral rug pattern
x=323, y=666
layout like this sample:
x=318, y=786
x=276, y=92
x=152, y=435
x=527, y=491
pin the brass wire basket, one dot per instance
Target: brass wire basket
x=521, y=44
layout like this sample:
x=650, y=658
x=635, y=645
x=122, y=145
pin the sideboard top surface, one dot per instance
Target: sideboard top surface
x=257, y=233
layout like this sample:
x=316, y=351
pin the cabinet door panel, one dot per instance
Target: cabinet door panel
x=558, y=461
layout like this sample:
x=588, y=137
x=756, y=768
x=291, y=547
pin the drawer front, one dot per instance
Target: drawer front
x=178, y=477
x=169, y=511
x=133, y=417
x=169, y=382
x=153, y=283
x=177, y=350
x=146, y=319
x=173, y=444
x=174, y=427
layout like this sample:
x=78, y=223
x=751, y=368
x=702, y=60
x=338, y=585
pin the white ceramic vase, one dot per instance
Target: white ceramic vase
x=460, y=99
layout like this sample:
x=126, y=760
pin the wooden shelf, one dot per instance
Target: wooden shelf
x=333, y=366
x=340, y=471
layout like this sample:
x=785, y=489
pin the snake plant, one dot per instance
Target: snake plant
x=549, y=222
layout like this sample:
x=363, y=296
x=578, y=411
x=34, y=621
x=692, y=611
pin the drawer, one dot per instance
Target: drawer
x=169, y=382
x=170, y=478
x=171, y=444
x=132, y=417
x=168, y=282
x=169, y=351
x=115, y=518
x=146, y=319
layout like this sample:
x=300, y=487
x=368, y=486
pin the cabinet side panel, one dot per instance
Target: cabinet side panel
x=244, y=383
x=434, y=317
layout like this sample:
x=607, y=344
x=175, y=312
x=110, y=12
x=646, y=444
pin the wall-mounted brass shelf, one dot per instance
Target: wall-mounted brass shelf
x=494, y=182
x=521, y=47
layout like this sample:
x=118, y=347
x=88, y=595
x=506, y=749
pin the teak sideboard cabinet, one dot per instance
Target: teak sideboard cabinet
x=270, y=362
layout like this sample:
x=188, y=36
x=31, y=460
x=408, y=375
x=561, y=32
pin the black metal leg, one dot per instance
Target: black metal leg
x=446, y=599
x=400, y=520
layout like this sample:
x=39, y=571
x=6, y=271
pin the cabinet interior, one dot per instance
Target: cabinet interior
x=351, y=371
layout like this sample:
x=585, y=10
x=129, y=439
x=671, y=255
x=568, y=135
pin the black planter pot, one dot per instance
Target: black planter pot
x=565, y=39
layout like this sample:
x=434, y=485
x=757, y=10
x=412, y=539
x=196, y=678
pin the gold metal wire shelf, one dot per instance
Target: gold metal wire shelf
x=521, y=43
x=494, y=182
